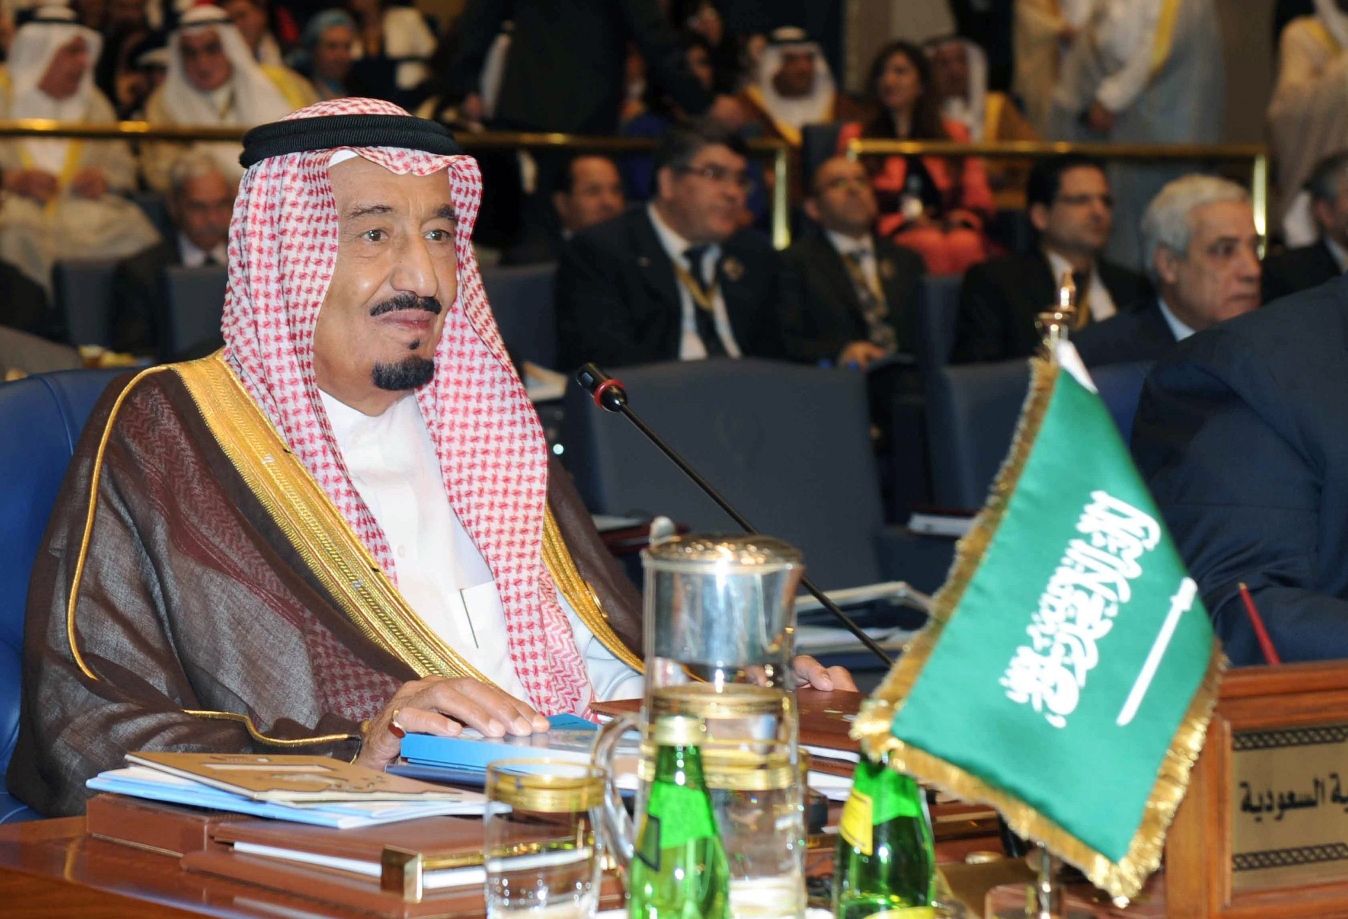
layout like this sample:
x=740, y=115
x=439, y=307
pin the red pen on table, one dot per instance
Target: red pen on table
x=1266, y=643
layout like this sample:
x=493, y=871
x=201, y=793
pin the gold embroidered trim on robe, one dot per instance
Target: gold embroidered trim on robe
x=73, y=600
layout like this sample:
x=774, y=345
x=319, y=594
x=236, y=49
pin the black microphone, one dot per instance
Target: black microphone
x=609, y=394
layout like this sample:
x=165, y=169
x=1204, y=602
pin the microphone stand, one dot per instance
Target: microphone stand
x=609, y=394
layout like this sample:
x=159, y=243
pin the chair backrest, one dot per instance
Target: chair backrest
x=50, y=409
x=83, y=293
x=1120, y=386
x=525, y=306
x=818, y=143
x=155, y=206
x=789, y=446
x=971, y=418
x=937, y=306
x=194, y=301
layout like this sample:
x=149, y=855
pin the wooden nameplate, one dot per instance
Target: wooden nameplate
x=1263, y=830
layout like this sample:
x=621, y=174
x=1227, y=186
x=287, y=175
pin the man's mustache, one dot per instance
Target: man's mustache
x=407, y=301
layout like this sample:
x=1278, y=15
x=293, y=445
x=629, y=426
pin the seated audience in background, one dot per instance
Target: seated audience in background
x=959, y=71
x=1071, y=209
x=1310, y=266
x=934, y=205
x=1240, y=435
x=676, y=279
x=1306, y=120
x=213, y=80
x=393, y=44
x=326, y=53
x=200, y=200
x=250, y=18
x=849, y=297
x=1202, y=255
x=566, y=63
x=794, y=87
x=61, y=196
x=656, y=111
x=592, y=192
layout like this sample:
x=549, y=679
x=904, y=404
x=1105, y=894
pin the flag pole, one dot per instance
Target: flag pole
x=1047, y=894
x=1055, y=325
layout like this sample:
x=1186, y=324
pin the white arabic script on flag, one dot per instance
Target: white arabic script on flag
x=1078, y=607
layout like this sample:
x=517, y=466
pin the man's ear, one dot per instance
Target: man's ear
x=664, y=182
x=812, y=209
x=1167, y=264
x=1323, y=212
x=1039, y=217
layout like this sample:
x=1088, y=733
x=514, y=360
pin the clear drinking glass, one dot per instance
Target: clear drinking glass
x=540, y=851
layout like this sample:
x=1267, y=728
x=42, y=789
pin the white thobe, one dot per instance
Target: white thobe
x=440, y=571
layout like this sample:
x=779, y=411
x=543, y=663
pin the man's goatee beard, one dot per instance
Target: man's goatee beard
x=408, y=373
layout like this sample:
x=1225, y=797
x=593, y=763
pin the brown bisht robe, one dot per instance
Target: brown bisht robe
x=223, y=604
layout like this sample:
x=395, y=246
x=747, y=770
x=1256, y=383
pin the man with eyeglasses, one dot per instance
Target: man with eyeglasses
x=1072, y=211
x=849, y=296
x=1202, y=252
x=676, y=279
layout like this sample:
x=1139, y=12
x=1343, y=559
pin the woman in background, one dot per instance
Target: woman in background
x=935, y=205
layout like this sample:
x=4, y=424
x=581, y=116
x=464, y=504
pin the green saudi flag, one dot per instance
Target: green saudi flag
x=1069, y=668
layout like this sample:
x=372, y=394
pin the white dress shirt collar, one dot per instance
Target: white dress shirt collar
x=195, y=257
x=1177, y=326
x=1099, y=300
x=1336, y=251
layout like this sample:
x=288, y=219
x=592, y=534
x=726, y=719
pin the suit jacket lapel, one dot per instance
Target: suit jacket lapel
x=657, y=274
x=839, y=281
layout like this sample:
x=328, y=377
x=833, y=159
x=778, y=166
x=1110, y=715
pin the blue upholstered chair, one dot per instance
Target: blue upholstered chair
x=971, y=417
x=937, y=306
x=788, y=445
x=524, y=303
x=194, y=301
x=1120, y=385
x=42, y=417
x=82, y=291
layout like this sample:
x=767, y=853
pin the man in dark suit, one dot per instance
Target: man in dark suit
x=1242, y=435
x=564, y=69
x=1322, y=261
x=591, y=192
x=200, y=201
x=848, y=296
x=676, y=279
x=1202, y=252
x=1072, y=211
x=24, y=306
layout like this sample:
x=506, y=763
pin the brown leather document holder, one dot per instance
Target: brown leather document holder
x=170, y=829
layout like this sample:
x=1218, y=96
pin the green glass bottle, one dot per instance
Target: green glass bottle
x=680, y=869
x=885, y=864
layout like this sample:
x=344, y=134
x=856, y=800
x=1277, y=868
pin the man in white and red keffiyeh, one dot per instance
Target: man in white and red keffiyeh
x=345, y=524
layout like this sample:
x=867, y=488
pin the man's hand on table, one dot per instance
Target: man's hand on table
x=811, y=673
x=441, y=706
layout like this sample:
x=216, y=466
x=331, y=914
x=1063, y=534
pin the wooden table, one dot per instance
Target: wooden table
x=50, y=868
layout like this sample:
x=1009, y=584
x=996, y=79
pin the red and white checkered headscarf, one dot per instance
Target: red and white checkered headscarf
x=493, y=456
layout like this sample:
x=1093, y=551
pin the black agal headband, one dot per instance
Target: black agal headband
x=326, y=132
